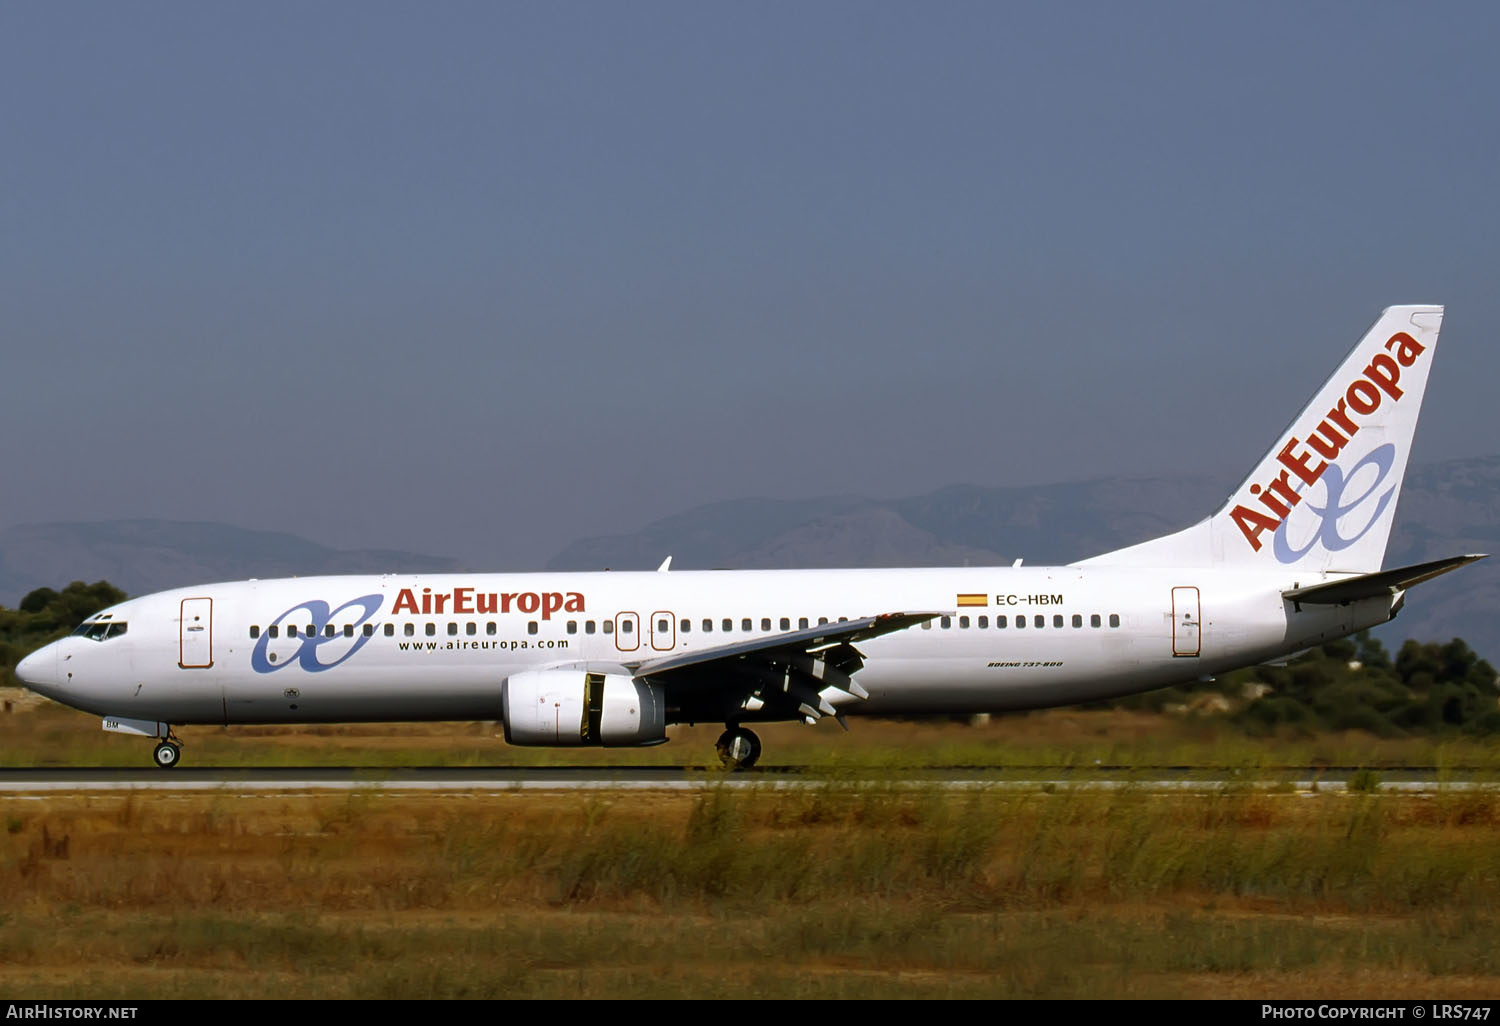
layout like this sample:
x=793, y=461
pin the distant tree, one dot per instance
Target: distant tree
x=1341, y=648
x=1371, y=653
x=37, y=600
x=1355, y=685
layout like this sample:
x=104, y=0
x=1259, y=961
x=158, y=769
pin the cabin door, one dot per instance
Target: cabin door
x=1186, y=633
x=195, y=648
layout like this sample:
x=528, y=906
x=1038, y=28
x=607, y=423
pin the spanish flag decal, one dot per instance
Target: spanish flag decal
x=973, y=600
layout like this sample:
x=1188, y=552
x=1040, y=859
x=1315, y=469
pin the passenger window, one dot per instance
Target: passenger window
x=390, y=630
x=1114, y=619
x=572, y=626
x=1094, y=621
x=1020, y=622
x=786, y=623
x=1039, y=620
x=530, y=626
x=312, y=631
x=431, y=630
x=489, y=628
x=927, y=625
x=708, y=626
x=1001, y=621
x=1057, y=620
x=348, y=630
x=452, y=629
x=471, y=628
x=609, y=626
x=963, y=622
x=686, y=626
x=271, y=630
x=984, y=621
x=822, y=621
x=947, y=622
x=409, y=629
x=663, y=626
x=627, y=626
x=765, y=623
x=588, y=626
x=745, y=625
x=254, y=632
x=1077, y=620
x=802, y=623
x=291, y=630
x=727, y=625
x=369, y=630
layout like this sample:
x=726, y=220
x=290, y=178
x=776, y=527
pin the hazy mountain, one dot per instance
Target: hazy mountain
x=141, y=556
x=1446, y=509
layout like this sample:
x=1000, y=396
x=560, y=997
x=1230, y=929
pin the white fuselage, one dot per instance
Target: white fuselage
x=440, y=647
x=1293, y=558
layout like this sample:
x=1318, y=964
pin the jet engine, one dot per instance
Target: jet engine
x=576, y=707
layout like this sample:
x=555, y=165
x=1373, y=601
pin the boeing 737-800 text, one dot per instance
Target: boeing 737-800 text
x=1293, y=558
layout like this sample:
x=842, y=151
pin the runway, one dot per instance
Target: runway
x=290, y=780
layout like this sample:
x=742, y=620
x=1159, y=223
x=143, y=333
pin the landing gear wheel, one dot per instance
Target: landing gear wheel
x=167, y=754
x=738, y=748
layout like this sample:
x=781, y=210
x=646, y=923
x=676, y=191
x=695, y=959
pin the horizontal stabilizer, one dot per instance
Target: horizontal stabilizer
x=1385, y=582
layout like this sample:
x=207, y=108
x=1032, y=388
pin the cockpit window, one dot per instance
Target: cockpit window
x=99, y=630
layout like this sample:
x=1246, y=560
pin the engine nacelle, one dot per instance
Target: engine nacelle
x=576, y=707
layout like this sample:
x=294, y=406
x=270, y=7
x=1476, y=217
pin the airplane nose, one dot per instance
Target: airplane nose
x=38, y=669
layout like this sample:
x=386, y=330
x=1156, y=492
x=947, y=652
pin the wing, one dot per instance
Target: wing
x=782, y=674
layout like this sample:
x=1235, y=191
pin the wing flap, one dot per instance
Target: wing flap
x=813, y=641
x=785, y=674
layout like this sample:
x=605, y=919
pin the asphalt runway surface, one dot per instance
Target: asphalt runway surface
x=1289, y=779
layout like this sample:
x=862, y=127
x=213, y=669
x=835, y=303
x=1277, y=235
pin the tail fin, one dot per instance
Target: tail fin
x=1324, y=496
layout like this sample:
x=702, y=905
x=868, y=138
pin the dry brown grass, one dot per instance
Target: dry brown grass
x=834, y=892
x=839, y=891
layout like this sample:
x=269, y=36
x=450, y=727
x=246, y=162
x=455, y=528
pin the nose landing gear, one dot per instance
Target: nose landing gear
x=169, y=751
x=738, y=748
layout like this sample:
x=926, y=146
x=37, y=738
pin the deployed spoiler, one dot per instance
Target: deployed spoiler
x=1382, y=582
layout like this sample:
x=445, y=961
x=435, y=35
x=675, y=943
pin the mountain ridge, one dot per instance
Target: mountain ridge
x=1445, y=509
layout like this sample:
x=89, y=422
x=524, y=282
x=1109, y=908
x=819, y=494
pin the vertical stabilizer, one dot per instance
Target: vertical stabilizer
x=1324, y=496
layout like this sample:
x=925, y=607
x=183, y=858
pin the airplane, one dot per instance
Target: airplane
x=1293, y=558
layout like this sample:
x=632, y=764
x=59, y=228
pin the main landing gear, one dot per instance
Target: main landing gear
x=169, y=751
x=738, y=748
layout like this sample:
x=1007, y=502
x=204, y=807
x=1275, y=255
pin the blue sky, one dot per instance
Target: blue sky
x=479, y=278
